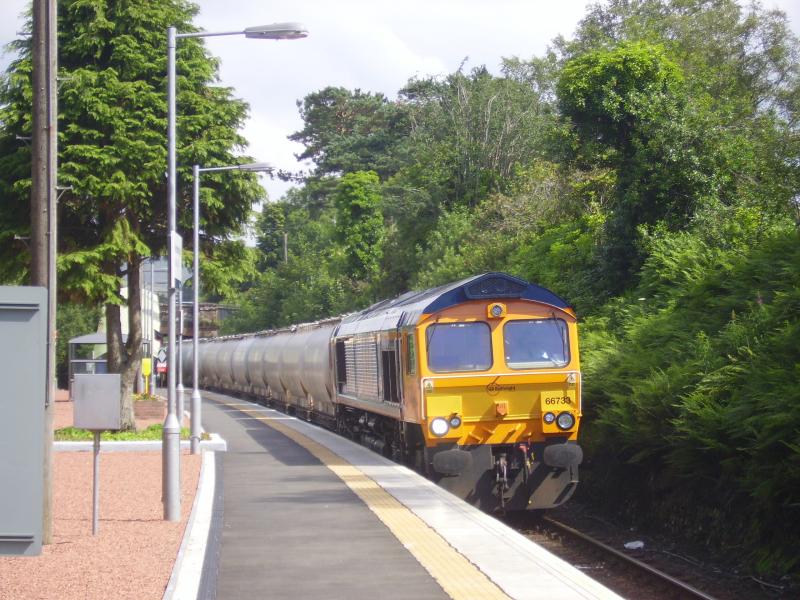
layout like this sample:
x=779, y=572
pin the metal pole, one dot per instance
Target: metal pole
x=143, y=307
x=180, y=389
x=171, y=446
x=146, y=325
x=152, y=331
x=171, y=440
x=39, y=147
x=96, y=484
x=150, y=337
x=43, y=215
x=52, y=249
x=197, y=401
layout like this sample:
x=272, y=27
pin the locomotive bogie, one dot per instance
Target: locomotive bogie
x=506, y=477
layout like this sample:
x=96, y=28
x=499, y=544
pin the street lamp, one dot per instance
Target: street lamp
x=196, y=399
x=171, y=437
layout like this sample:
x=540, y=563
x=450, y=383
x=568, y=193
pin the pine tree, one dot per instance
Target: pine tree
x=112, y=155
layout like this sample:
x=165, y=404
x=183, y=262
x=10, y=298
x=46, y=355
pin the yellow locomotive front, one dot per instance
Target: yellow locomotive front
x=476, y=383
x=499, y=397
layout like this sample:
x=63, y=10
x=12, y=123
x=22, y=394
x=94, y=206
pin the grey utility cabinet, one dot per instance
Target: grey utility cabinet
x=97, y=402
x=23, y=351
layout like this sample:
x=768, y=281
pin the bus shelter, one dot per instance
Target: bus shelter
x=87, y=355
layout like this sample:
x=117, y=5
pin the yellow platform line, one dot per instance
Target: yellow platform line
x=459, y=578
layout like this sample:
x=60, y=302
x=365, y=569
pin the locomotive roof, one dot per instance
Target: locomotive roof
x=409, y=307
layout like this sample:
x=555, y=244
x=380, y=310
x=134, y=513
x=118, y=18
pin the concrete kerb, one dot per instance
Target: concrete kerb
x=184, y=583
x=214, y=444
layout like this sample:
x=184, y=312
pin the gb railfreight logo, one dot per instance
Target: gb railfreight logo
x=495, y=388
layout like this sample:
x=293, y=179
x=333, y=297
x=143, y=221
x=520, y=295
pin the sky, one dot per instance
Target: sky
x=374, y=45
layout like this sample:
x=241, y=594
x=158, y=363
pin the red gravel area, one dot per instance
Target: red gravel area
x=133, y=554
x=63, y=415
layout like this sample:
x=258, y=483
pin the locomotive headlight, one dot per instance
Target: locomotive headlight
x=439, y=427
x=496, y=310
x=548, y=417
x=455, y=421
x=565, y=421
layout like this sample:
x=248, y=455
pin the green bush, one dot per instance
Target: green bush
x=693, y=381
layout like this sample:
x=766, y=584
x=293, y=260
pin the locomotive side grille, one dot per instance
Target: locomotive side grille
x=350, y=367
x=367, y=367
x=361, y=360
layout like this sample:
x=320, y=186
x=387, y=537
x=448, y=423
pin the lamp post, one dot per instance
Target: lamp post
x=171, y=439
x=179, y=390
x=196, y=405
x=152, y=329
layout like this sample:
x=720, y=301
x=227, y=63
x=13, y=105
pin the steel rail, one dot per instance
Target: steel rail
x=684, y=587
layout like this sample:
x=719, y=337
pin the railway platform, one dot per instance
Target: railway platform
x=303, y=513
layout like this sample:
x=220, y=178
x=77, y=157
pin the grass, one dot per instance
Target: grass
x=154, y=432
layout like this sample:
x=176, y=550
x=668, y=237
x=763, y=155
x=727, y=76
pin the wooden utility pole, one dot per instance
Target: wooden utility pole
x=44, y=151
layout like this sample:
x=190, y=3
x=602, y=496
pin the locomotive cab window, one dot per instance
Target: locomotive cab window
x=536, y=343
x=341, y=365
x=459, y=347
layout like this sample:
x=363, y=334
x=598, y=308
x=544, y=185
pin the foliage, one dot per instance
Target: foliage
x=688, y=102
x=739, y=58
x=359, y=223
x=610, y=94
x=227, y=266
x=348, y=131
x=455, y=250
x=693, y=380
x=112, y=157
x=472, y=131
x=113, y=118
x=271, y=227
x=151, y=433
x=72, y=320
x=309, y=286
x=626, y=104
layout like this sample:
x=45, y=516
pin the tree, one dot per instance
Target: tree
x=627, y=106
x=15, y=170
x=359, y=223
x=741, y=80
x=737, y=59
x=312, y=284
x=346, y=131
x=472, y=131
x=271, y=228
x=112, y=152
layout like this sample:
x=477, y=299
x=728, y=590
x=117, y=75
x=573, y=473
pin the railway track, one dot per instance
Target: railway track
x=665, y=585
x=629, y=576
